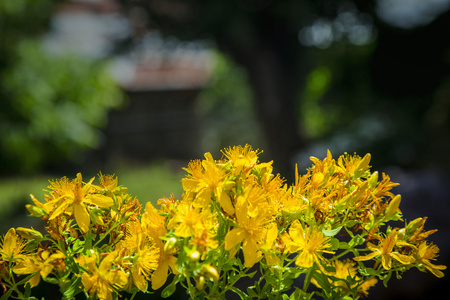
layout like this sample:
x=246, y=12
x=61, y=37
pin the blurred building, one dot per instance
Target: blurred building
x=161, y=78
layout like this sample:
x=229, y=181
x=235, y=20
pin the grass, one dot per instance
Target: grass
x=146, y=182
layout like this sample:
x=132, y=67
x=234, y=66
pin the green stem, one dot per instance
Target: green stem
x=191, y=288
x=308, y=277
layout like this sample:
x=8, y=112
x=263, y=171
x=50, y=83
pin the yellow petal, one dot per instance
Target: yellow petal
x=241, y=209
x=9, y=242
x=272, y=234
x=225, y=203
x=139, y=279
x=159, y=277
x=189, y=184
x=118, y=278
x=99, y=200
x=434, y=269
x=234, y=237
x=251, y=253
x=61, y=208
x=82, y=216
x=34, y=281
x=297, y=233
x=404, y=259
x=305, y=260
x=367, y=257
x=386, y=261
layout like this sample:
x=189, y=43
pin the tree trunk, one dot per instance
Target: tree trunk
x=275, y=89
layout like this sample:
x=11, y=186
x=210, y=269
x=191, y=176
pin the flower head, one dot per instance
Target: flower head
x=251, y=231
x=76, y=196
x=385, y=250
x=206, y=179
x=102, y=280
x=427, y=252
x=11, y=247
x=42, y=263
x=311, y=243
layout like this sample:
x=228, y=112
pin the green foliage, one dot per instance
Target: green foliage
x=56, y=106
x=52, y=106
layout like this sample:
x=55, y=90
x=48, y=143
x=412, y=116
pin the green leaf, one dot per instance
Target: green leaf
x=251, y=292
x=170, y=289
x=6, y=295
x=386, y=279
x=351, y=223
x=26, y=279
x=322, y=280
x=27, y=293
x=241, y=294
x=368, y=272
x=343, y=245
x=356, y=240
x=250, y=274
x=74, y=288
x=331, y=232
x=334, y=244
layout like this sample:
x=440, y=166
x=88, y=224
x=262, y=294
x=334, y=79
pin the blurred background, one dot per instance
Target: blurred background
x=140, y=87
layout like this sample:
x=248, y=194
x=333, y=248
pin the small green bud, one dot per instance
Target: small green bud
x=413, y=225
x=170, y=244
x=194, y=255
x=200, y=283
x=29, y=234
x=34, y=210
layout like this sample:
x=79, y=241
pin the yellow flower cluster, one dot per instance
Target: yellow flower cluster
x=234, y=213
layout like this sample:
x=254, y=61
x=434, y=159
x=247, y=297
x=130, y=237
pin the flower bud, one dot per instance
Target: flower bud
x=364, y=163
x=211, y=272
x=170, y=244
x=34, y=210
x=393, y=206
x=194, y=255
x=413, y=225
x=373, y=179
x=73, y=232
x=29, y=234
x=200, y=283
x=401, y=234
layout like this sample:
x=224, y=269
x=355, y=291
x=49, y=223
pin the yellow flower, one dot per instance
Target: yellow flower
x=188, y=220
x=204, y=240
x=141, y=254
x=42, y=264
x=250, y=230
x=363, y=289
x=427, y=252
x=145, y=261
x=11, y=247
x=104, y=279
x=154, y=225
x=77, y=195
x=311, y=243
x=243, y=158
x=343, y=269
x=205, y=179
x=385, y=250
x=353, y=165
